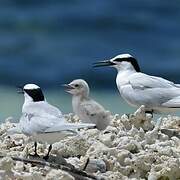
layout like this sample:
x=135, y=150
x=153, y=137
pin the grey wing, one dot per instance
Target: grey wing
x=149, y=90
x=173, y=103
x=32, y=124
x=92, y=108
x=43, y=109
x=143, y=81
x=96, y=113
x=72, y=127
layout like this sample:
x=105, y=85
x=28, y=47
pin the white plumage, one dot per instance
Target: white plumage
x=136, y=88
x=42, y=121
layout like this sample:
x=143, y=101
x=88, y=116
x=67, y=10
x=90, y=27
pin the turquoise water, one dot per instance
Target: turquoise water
x=11, y=102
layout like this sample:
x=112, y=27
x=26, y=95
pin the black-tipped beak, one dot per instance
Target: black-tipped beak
x=103, y=63
x=20, y=90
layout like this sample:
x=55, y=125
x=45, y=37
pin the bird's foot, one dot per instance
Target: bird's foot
x=46, y=157
x=86, y=164
x=36, y=155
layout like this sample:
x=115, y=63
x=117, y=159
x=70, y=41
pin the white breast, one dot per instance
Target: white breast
x=76, y=104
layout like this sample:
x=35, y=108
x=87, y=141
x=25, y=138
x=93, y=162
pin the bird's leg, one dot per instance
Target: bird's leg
x=47, y=156
x=128, y=115
x=35, y=150
x=85, y=166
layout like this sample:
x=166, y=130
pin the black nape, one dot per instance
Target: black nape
x=36, y=94
x=135, y=64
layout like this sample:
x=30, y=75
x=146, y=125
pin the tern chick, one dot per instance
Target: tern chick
x=88, y=110
x=42, y=121
x=136, y=88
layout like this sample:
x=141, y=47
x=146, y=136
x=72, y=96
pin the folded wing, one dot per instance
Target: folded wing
x=173, y=103
x=70, y=127
x=143, y=81
x=42, y=109
x=96, y=113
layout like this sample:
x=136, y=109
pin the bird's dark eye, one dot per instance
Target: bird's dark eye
x=76, y=85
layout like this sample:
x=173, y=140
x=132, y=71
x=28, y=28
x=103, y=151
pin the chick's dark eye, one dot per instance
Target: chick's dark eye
x=76, y=85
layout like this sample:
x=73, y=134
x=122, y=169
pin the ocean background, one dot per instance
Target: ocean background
x=53, y=42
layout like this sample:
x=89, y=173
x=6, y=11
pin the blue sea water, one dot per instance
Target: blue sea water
x=53, y=42
x=50, y=42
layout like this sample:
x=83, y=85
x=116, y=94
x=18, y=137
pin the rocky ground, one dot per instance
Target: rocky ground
x=132, y=147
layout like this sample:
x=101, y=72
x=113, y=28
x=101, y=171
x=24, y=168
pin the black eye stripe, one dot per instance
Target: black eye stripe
x=132, y=60
x=128, y=59
x=118, y=60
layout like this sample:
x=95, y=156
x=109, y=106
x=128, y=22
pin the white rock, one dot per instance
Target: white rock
x=6, y=163
x=72, y=146
x=58, y=174
x=131, y=147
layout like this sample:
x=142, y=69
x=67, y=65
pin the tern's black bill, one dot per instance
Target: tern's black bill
x=103, y=63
